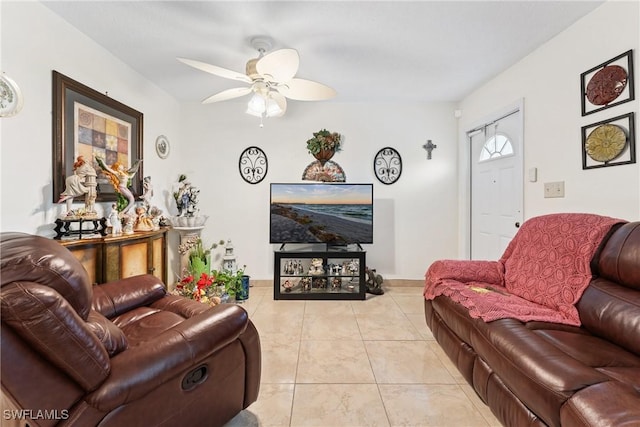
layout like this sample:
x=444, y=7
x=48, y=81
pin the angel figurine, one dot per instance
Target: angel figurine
x=119, y=177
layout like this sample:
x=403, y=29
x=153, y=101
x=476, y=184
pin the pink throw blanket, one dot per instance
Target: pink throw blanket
x=541, y=275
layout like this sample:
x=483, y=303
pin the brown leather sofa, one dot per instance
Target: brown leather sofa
x=123, y=353
x=549, y=374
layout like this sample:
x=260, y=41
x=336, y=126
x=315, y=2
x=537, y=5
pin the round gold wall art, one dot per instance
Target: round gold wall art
x=606, y=85
x=605, y=143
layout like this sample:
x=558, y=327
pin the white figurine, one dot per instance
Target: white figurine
x=114, y=219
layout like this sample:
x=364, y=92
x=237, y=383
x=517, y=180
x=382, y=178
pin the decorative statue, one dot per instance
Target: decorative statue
x=116, y=222
x=147, y=192
x=143, y=221
x=119, y=177
x=75, y=185
x=186, y=197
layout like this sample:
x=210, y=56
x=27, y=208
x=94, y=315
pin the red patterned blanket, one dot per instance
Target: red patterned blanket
x=541, y=275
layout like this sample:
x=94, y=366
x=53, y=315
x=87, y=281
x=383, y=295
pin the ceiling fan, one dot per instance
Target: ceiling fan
x=271, y=79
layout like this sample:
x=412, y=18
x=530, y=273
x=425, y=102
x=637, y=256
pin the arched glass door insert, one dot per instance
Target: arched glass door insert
x=498, y=145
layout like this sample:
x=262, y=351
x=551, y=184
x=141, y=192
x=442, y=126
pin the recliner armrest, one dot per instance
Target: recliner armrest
x=139, y=370
x=114, y=298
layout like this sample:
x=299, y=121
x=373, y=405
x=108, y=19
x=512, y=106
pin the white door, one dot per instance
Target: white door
x=496, y=185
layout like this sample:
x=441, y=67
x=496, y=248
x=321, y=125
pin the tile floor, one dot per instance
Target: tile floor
x=355, y=363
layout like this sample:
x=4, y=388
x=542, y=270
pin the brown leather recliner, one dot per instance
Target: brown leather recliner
x=124, y=353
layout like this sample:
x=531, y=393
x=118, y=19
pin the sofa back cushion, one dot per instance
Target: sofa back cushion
x=29, y=258
x=620, y=258
x=610, y=306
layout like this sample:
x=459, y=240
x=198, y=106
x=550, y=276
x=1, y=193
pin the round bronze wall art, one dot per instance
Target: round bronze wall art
x=253, y=165
x=605, y=143
x=606, y=85
x=387, y=165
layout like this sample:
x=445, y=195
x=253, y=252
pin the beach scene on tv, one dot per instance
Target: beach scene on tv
x=336, y=214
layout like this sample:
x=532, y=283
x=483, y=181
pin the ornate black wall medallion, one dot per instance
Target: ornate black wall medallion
x=387, y=165
x=253, y=165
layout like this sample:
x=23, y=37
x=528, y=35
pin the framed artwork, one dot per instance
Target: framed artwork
x=387, y=165
x=88, y=123
x=610, y=142
x=253, y=165
x=608, y=84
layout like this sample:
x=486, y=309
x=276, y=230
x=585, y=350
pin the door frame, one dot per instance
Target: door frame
x=464, y=164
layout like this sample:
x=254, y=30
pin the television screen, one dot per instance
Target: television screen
x=335, y=214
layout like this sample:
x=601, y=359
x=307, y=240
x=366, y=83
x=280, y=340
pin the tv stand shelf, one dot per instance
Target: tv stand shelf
x=323, y=275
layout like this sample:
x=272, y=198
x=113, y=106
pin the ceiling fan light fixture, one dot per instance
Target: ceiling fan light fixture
x=256, y=105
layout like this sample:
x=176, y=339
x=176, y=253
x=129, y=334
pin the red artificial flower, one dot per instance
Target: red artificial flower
x=187, y=280
x=204, y=281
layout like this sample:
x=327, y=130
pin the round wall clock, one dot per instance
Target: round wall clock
x=387, y=165
x=10, y=97
x=253, y=165
x=162, y=147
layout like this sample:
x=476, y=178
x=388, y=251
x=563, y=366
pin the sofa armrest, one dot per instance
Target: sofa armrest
x=138, y=370
x=465, y=271
x=117, y=297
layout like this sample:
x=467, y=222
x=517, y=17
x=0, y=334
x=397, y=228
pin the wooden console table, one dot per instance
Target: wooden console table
x=111, y=258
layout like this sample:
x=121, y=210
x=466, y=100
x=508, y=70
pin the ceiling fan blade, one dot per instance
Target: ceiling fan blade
x=280, y=65
x=306, y=90
x=215, y=70
x=228, y=94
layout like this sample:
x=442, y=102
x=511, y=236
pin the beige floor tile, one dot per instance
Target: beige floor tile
x=419, y=322
x=279, y=359
x=410, y=304
x=332, y=405
x=330, y=327
x=333, y=362
x=447, y=363
x=328, y=307
x=392, y=325
x=427, y=405
x=376, y=304
x=273, y=408
x=480, y=406
x=406, y=362
x=355, y=363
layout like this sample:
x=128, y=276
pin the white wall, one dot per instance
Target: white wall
x=415, y=219
x=549, y=82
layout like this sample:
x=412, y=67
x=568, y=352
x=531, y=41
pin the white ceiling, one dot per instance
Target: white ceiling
x=369, y=51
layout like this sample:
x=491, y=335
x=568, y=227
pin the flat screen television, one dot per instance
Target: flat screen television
x=332, y=213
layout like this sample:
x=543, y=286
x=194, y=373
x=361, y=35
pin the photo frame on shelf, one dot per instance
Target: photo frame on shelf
x=609, y=142
x=87, y=122
x=608, y=84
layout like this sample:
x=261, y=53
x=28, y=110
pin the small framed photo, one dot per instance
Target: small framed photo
x=610, y=142
x=608, y=84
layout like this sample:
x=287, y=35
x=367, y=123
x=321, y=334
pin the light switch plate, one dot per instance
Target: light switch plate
x=554, y=189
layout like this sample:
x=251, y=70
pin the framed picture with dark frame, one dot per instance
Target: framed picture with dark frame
x=609, y=142
x=87, y=123
x=608, y=84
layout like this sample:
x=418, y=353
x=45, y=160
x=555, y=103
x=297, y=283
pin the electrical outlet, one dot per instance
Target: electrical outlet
x=554, y=189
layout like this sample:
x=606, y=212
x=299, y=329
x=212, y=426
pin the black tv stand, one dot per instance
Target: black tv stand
x=322, y=275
